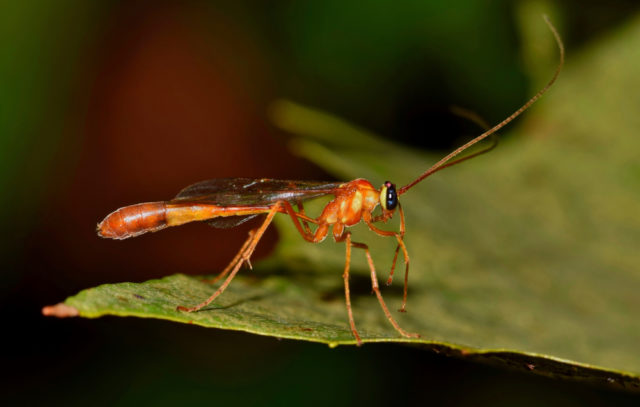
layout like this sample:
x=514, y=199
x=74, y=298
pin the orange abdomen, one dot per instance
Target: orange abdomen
x=134, y=220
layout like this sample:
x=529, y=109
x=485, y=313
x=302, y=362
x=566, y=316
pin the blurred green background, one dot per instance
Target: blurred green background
x=111, y=103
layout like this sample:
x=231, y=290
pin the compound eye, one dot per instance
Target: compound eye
x=388, y=196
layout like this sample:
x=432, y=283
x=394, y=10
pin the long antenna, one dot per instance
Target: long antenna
x=443, y=162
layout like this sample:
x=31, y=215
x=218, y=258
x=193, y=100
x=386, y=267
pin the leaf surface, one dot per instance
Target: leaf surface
x=527, y=256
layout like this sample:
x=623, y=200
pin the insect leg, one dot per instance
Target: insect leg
x=233, y=262
x=400, y=238
x=405, y=253
x=305, y=224
x=244, y=257
x=393, y=265
x=376, y=290
x=320, y=233
x=347, y=294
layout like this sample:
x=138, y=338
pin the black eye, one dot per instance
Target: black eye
x=391, y=199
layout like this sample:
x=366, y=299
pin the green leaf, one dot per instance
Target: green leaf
x=527, y=256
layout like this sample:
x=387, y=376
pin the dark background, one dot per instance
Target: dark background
x=111, y=103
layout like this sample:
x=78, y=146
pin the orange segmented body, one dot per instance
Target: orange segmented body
x=134, y=220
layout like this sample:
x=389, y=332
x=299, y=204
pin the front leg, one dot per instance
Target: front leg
x=374, y=286
x=400, y=238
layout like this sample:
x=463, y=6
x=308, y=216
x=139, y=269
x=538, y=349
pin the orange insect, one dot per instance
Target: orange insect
x=229, y=202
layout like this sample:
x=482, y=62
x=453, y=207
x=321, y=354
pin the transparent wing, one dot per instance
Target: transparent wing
x=249, y=191
x=228, y=222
